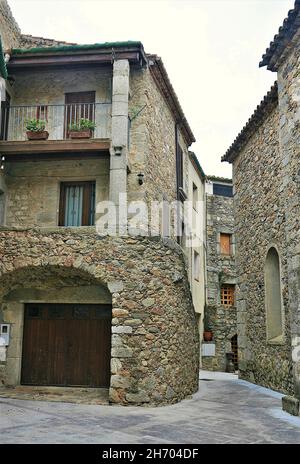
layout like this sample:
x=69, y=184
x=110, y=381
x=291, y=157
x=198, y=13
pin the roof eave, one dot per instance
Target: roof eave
x=281, y=43
x=78, y=54
x=269, y=102
x=162, y=79
x=197, y=165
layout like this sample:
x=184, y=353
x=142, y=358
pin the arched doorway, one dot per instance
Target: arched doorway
x=64, y=320
x=234, y=350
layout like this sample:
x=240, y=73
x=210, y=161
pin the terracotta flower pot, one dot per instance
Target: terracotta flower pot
x=83, y=134
x=42, y=135
x=207, y=335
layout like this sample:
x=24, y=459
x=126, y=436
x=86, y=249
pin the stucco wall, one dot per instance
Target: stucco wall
x=198, y=215
x=260, y=222
x=33, y=188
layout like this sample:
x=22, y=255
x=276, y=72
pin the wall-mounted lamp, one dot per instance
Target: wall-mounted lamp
x=2, y=162
x=118, y=150
x=140, y=177
x=11, y=80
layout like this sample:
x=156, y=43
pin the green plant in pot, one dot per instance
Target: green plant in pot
x=35, y=129
x=207, y=332
x=83, y=129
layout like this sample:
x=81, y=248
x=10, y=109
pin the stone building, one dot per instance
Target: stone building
x=265, y=158
x=78, y=306
x=220, y=310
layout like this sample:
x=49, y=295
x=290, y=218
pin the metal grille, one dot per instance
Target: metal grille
x=234, y=349
x=227, y=295
x=57, y=119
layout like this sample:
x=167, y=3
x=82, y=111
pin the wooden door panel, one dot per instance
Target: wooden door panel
x=79, y=105
x=61, y=348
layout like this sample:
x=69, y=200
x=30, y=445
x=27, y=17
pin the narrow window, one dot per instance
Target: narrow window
x=227, y=295
x=273, y=297
x=5, y=113
x=2, y=207
x=196, y=266
x=77, y=204
x=223, y=190
x=182, y=238
x=195, y=196
x=179, y=167
x=225, y=244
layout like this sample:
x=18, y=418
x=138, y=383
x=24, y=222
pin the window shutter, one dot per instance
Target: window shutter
x=225, y=242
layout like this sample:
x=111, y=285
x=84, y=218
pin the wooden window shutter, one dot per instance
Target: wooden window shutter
x=225, y=244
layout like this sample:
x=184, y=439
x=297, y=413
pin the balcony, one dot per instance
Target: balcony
x=58, y=118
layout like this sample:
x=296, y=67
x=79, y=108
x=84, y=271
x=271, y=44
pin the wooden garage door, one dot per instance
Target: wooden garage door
x=66, y=345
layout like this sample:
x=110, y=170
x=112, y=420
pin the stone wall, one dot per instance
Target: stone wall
x=33, y=188
x=11, y=33
x=154, y=355
x=29, y=41
x=260, y=223
x=9, y=29
x=152, y=141
x=221, y=269
x=289, y=133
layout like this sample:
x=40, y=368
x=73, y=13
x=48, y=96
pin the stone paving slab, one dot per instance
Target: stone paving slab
x=61, y=394
x=225, y=410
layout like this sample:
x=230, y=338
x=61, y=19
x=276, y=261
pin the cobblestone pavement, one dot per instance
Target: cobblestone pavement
x=225, y=410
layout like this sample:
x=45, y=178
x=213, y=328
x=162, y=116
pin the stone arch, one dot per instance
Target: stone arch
x=154, y=336
x=43, y=277
x=55, y=286
x=273, y=297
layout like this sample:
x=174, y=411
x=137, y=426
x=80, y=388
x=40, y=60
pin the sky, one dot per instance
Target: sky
x=211, y=50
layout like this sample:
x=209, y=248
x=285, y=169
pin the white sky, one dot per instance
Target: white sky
x=211, y=50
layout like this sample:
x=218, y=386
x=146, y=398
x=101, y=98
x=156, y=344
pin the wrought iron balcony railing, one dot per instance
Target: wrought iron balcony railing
x=58, y=119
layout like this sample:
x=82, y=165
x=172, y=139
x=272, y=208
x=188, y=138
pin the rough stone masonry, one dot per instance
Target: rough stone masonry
x=154, y=333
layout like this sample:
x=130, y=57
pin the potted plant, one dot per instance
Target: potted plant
x=82, y=130
x=207, y=332
x=35, y=129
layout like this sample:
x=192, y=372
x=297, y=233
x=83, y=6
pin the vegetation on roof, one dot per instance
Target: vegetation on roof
x=70, y=48
x=220, y=179
x=3, y=69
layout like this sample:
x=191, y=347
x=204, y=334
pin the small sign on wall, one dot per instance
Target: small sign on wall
x=4, y=334
x=208, y=349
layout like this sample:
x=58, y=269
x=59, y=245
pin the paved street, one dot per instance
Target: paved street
x=225, y=410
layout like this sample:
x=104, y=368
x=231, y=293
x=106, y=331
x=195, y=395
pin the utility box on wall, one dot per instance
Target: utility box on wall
x=4, y=334
x=208, y=349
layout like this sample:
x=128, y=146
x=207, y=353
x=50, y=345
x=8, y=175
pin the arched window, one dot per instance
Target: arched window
x=273, y=297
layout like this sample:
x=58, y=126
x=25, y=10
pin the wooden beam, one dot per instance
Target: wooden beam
x=53, y=146
x=21, y=61
x=14, y=158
